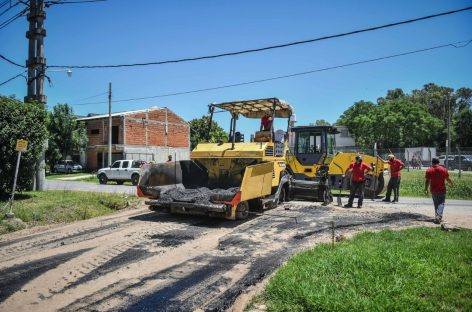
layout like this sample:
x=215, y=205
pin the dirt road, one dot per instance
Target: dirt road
x=138, y=260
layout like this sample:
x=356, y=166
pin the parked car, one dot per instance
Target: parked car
x=121, y=171
x=442, y=159
x=464, y=162
x=67, y=166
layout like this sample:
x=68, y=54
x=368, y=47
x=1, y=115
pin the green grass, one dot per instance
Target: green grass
x=422, y=269
x=412, y=184
x=41, y=208
x=52, y=176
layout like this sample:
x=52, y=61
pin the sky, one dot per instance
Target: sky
x=124, y=31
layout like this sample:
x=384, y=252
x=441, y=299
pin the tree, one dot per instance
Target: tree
x=463, y=128
x=357, y=119
x=322, y=122
x=391, y=95
x=65, y=133
x=199, y=129
x=464, y=98
x=20, y=121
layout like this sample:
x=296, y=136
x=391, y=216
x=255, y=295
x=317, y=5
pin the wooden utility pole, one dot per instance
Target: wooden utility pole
x=36, y=65
x=109, y=124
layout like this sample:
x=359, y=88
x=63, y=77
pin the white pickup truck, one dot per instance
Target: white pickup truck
x=121, y=171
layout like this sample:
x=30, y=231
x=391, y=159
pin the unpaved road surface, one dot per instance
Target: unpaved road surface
x=138, y=260
x=69, y=185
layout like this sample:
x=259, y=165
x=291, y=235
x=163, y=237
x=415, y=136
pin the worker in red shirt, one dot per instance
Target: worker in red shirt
x=396, y=166
x=435, y=177
x=266, y=121
x=358, y=169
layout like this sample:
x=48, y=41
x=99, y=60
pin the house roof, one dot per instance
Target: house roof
x=119, y=114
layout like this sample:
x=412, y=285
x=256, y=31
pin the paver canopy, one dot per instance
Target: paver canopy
x=257, y=108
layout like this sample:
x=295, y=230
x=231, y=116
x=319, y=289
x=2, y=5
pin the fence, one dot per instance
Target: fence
x=420, y=157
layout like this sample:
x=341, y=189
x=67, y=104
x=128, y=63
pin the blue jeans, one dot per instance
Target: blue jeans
x=439, y=199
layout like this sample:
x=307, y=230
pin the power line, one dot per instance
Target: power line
x=13, y=18
x=284, y=45
x=14, y=77
x=50, y=3
x=10, y=61
x=9, y=8
x=459, y=44
x=93, y=96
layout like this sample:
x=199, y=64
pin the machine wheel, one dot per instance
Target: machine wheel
x=102, y=178
x=135, y=179
x=327, y=196
x=379, y=187
x=282, y=195
x=120, y=182
x=242, y=211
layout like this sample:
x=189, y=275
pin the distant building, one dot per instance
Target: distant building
x=344, y=138
x=150, y=134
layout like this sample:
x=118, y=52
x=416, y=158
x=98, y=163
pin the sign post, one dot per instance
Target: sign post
x=21, y=146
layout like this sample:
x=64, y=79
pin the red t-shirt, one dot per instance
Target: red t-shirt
x=266, y=122
x=358, y=171
x=395, y=166
x=437, y=175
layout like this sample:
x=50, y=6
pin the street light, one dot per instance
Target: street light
x=68, y=71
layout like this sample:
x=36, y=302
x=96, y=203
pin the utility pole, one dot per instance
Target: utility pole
x=448, y=140
x=36, y=65
x=109, y=124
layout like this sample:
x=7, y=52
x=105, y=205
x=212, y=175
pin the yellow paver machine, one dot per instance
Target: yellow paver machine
x=227, y=179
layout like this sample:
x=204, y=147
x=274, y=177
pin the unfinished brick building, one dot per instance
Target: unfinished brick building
x=151, y=135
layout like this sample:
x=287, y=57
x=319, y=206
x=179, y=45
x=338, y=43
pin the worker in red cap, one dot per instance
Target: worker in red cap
x=358, y=169
x=435, y=177
x=396, y=166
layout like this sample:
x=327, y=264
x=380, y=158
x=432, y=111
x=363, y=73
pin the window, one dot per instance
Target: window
x=309, y=143
x=95, y=131
x=137, y=163
x=124, y=164
x=116, y=164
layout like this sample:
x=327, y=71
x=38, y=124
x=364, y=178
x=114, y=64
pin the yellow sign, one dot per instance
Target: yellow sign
x=21, y=145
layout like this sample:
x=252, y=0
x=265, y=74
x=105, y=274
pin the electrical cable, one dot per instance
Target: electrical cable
x=11, y=62
x=454, y=44
x=9, y=8
x=93, y=96
x=51, y=3
x=20, y=74
x=13, y=18
x=284, y=45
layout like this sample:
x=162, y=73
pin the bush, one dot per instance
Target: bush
x=25, y=121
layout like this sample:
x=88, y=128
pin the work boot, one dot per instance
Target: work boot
x=359, y=206
x=348, y=206
x=386, y=200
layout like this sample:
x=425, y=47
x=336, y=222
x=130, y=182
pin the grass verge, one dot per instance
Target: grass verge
x=422, y=269
x=41, y=208
x=412, y=184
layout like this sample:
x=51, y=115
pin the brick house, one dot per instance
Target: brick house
x=151, y=135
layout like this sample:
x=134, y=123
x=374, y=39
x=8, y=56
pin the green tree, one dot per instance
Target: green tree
x=463, y=128
x=358, y=120
x=20, y=120
x=65, y=133
x=322, y=122
x=464, y=98
x=199, y=129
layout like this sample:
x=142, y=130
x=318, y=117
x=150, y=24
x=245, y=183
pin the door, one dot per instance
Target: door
x=114, y=172
x=125, y=170
x=114, y=134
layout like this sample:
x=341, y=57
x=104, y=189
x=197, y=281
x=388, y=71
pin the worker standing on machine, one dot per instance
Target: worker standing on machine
x=266, y=121
x=396, y=166
x=358, y=169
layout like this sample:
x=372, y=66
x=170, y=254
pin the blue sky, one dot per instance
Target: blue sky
x=123, y=31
